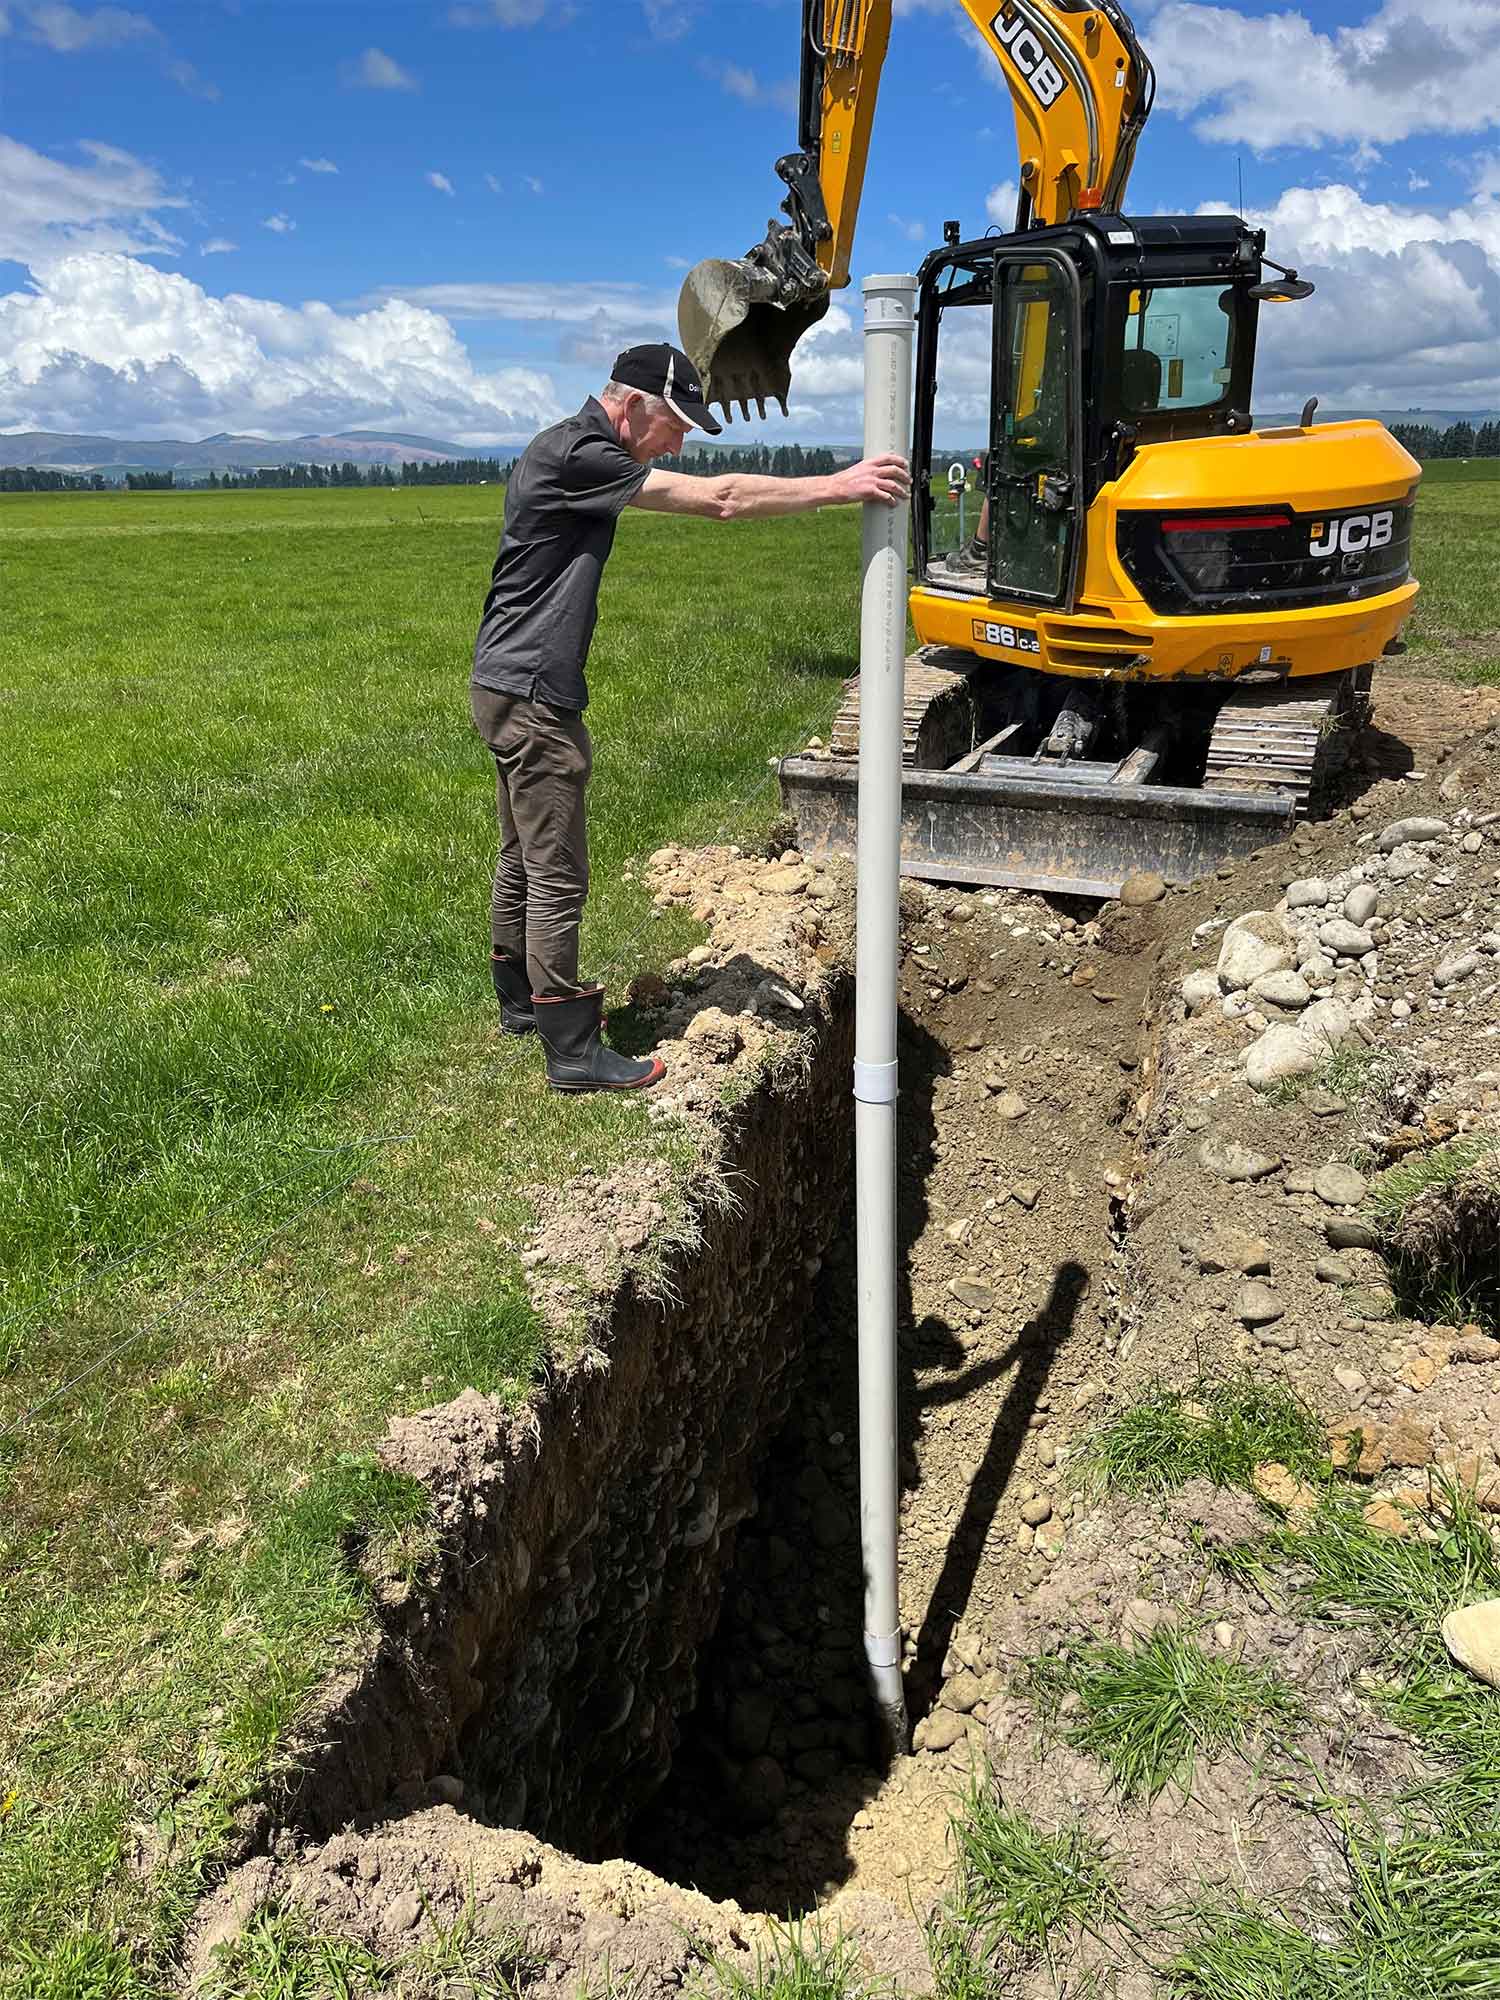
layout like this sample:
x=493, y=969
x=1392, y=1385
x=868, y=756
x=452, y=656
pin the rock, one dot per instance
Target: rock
x=1288, y=990
x=831, y=1524
x=1327, y=1022
x=1406, y=1443
x=1254, y=945
x=1283, y=1488
x=1410, y=833
x=1387, y=1520
x=1036, y=1511
x=970, y=1292
x=1323, y=1103
x=1359, y=904
x=1333, y=1271
x=1226, y=1248
x=1200, y=990
x=1142, y=1618
x=1476, y=1347
x=1350, y=1381
x=1453, y=971
x=1142, y=888
x=784, y=878
x=1472, y=1636
x=1340, y=1186
x=1010, y=1106
x=747, y=1726
x=945, y=1727
x=961, y=1693
x=759, y=1792
x=446, y=1789
x=1280, y=1054
x=1349, y=1232
x=1308, y=894
x=716, y=1033
x=404, y=1912
x=1257, y=1305
x=1231, y=1161
x=1345, y=939
x=1420, y=1372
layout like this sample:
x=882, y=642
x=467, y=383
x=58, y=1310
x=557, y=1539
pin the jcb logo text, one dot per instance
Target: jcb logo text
x=1353, y=535
x=1045, y=80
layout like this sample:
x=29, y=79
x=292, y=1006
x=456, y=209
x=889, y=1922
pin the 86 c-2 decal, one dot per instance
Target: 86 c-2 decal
x=1016, y=637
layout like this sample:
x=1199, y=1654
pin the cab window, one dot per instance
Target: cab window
x=1178, y=348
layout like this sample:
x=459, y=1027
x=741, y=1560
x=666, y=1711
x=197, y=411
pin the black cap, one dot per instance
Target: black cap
x=658, y=369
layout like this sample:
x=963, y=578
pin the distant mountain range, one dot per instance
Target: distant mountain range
x=63, y=452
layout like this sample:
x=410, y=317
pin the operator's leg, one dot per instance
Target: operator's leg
x=544, y=757
x=508, y=891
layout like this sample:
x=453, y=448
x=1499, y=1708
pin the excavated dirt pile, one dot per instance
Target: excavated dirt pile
x=1154, y=1143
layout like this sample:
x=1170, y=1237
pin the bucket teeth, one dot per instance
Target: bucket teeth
x=740, y=339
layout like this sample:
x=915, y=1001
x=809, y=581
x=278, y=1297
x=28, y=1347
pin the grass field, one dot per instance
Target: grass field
x=260, y=1152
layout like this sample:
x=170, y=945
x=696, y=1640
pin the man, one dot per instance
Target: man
x=528, y=695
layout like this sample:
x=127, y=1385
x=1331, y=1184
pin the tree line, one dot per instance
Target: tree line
x=1460, y=440
x=780, y=461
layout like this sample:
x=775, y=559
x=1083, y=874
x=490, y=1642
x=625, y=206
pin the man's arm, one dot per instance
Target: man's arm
x=748, y=496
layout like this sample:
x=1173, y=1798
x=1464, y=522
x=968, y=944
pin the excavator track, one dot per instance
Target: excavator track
x=937, y=721
x=1283, y=737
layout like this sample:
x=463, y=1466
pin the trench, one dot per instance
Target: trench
x=644, y=1638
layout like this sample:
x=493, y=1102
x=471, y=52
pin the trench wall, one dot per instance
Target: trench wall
x=584, y=1548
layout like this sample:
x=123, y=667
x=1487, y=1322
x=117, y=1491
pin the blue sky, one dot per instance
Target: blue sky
x=295, y=218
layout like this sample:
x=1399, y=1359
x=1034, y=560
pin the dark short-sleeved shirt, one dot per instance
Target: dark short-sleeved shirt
x=566, y=494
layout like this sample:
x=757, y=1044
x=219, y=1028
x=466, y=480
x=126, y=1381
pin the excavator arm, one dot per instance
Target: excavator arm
x=1081, y=88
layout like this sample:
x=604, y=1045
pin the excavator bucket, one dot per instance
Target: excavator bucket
x=739, y=338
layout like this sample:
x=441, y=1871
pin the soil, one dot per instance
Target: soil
x=1057, y=1099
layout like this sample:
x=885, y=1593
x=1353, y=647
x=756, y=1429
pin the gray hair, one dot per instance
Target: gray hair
x=616, y=392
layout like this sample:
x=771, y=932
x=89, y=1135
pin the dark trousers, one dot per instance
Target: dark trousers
x=543, y=758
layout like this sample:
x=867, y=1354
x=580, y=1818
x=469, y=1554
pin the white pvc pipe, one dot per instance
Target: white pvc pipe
x=889, y=329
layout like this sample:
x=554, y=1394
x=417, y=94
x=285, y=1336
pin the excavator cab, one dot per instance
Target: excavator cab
x=1100, y=336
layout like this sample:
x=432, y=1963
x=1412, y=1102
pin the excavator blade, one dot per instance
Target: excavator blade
x=739, y=338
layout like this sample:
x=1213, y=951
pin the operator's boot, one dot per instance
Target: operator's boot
x=973, y=559
x=576, y=1057
x=513, y=991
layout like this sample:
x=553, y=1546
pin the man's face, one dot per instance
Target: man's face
x=648, y=434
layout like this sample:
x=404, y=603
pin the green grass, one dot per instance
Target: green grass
x=1148, y=1713
x=281, y=1955
x=800, y=1963
x=1218, y=1431
x=1455, y=629
x=261, y=1156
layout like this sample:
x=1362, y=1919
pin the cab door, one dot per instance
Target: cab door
x=1035, y=483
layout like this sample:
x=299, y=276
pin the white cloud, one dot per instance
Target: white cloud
x=517, y=13
x=68, y=31
x=493, y=185
x=1407, y=309
x=1000, y=204
x=533, y=183
x=914, y=232
x=590, y=322
x=107, y=343
x=439, y=181
x=4, y=22
x=375, y=70
x=1416, y=182
x=678, y=263
x=1271, y=80
x=111, y=203
x=669, y=20
x=281, y=225
x=318, y=166
x=744, y=84
x=216, y=246
x=187, y=78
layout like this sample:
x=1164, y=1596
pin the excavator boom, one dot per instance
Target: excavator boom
x=1081, y=88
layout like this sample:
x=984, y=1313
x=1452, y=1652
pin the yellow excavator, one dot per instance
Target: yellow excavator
x=1159, y=642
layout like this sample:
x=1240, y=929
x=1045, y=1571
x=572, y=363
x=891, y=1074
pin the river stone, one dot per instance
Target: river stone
x=1340, y=1186
x=1200, y=990
x=1253, y=945
x=1348, y=1232
x=1461, y=966
x=1010, y=1105
x=970, y=1292
x=1327, y=1024
x=945, y=1727
x=1309, y=894
x=749, y=1722
x=1142, y=888
x=1360, y=903
x=1257, y=1305
x=1231, y=1161
x=1348, y=940
x=1281, y=1053
x=1333, y=1271
x=1282, y=989
x=759, y=1792
x=1472, y=1636
x=1226, y=1248
x=961, y=1693
x=1036, y=1512
x=1410, y=832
